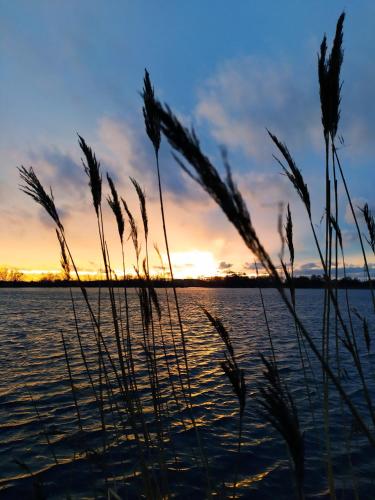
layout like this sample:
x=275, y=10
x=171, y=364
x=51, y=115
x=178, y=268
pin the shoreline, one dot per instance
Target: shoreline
x=228, y=282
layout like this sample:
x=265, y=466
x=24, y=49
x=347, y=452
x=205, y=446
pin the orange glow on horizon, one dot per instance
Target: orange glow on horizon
x=194, y=264
x=185, y=264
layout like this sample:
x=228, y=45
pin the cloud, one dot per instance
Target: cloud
x=127, y=151
x=234, y=106
x=252, y=266
x=58, y=168
x=61, y=171
x=224, y=265
x=123, y=150
x=248, y=94
x=119, y=147
x=315, y=269
x=349, y=236
x=15, y=221
x=358, y=106
x=309, y=266
x=351, y=270
x=67, y=169
x=269, y=189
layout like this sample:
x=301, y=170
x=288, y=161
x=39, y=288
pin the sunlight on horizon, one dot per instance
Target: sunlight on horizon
x=194, y=264
x=189, y=264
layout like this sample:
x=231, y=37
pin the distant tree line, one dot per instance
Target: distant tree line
x=10, y=275
x=13, y=278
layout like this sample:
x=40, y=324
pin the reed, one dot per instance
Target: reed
x=229, y=199
x=370, y=223
x=153, y=121
x=147, y=414
x=280, y=410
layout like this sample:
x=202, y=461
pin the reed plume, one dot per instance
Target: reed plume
x=33, y=188
x=151, y=112
x=64, y=259
x=279, y=409
x=230, y=365
x=365, y=327
x=142, y=202
x=329, y=69
x=237, y=379
x=370, y=223
x=289, y=235
x=280, y=229
x=294, y=173
x=92, y=169
x=114, y=203
x=221, y=330
x=234, y=374
x=133, y=230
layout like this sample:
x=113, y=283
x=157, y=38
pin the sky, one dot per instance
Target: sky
x=230, y=69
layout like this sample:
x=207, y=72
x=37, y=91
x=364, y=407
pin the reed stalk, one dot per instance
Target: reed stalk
x=227, y=196
x=152, y=120
x=114, y=382
x=73, y=389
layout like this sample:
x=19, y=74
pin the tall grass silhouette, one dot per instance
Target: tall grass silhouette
x=146, y=414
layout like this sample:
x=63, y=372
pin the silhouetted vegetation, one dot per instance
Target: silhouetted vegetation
x=146, y=417
x=231, y=281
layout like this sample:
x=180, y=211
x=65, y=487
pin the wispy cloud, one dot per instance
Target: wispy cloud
x=224, y=266
x=249, y=94
x=315, y=269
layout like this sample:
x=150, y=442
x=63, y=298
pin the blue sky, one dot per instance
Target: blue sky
x=231, y=69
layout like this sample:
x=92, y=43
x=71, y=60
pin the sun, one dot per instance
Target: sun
x=193, y=264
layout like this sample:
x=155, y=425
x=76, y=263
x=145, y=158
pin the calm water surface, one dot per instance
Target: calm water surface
x=36, y=400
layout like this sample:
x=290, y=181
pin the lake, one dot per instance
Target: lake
x=37, y=404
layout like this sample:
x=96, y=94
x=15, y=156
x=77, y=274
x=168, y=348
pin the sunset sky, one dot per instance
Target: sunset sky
x=231, y=69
